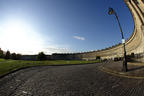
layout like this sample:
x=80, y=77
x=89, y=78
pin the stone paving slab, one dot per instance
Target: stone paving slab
x=135, y=70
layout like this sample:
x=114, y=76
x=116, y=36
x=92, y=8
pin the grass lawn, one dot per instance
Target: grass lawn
x=10, y=65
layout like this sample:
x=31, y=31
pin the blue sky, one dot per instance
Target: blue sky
x=30, y=26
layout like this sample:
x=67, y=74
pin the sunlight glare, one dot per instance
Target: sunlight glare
x=17, y=36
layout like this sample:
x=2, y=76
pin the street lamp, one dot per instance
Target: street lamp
x=111, y=11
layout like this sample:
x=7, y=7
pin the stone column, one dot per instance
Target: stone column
x=141, y=5
x=138, y=11
x=142, y=27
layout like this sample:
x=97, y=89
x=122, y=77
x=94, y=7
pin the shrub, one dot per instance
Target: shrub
x=132, y=54
x=98, y=57
x=41, y=56
x=117, y=58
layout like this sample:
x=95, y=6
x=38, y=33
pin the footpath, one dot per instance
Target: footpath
x=135, y=70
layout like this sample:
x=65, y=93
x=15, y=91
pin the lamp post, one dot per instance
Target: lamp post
x=111, y=11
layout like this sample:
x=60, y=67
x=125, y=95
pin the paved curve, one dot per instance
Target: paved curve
x=74, y=80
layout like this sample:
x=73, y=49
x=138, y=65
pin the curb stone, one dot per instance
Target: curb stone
x=119, y=74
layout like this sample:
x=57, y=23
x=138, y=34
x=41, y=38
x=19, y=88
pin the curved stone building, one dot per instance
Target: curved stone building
x=134, y=45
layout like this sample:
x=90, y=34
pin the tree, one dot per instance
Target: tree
x=1, y=53
x=13, y=56
x=41, y=56
x=18, y=56
x=7, y=55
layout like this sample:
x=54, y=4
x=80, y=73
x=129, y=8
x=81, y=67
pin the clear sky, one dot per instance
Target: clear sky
x=31, y=26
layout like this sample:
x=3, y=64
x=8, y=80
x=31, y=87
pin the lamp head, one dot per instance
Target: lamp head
x=111, y=11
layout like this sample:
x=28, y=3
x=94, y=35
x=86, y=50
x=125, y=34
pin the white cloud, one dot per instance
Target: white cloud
x=52, y=49
x=79, y=38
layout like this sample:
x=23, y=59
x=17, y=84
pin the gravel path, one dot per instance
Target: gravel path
x=74, y=80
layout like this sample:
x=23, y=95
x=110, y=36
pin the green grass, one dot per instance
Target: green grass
x=10, y=65
x=2, y=60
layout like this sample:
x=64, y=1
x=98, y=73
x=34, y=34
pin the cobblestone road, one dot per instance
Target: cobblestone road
x=74, y=80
